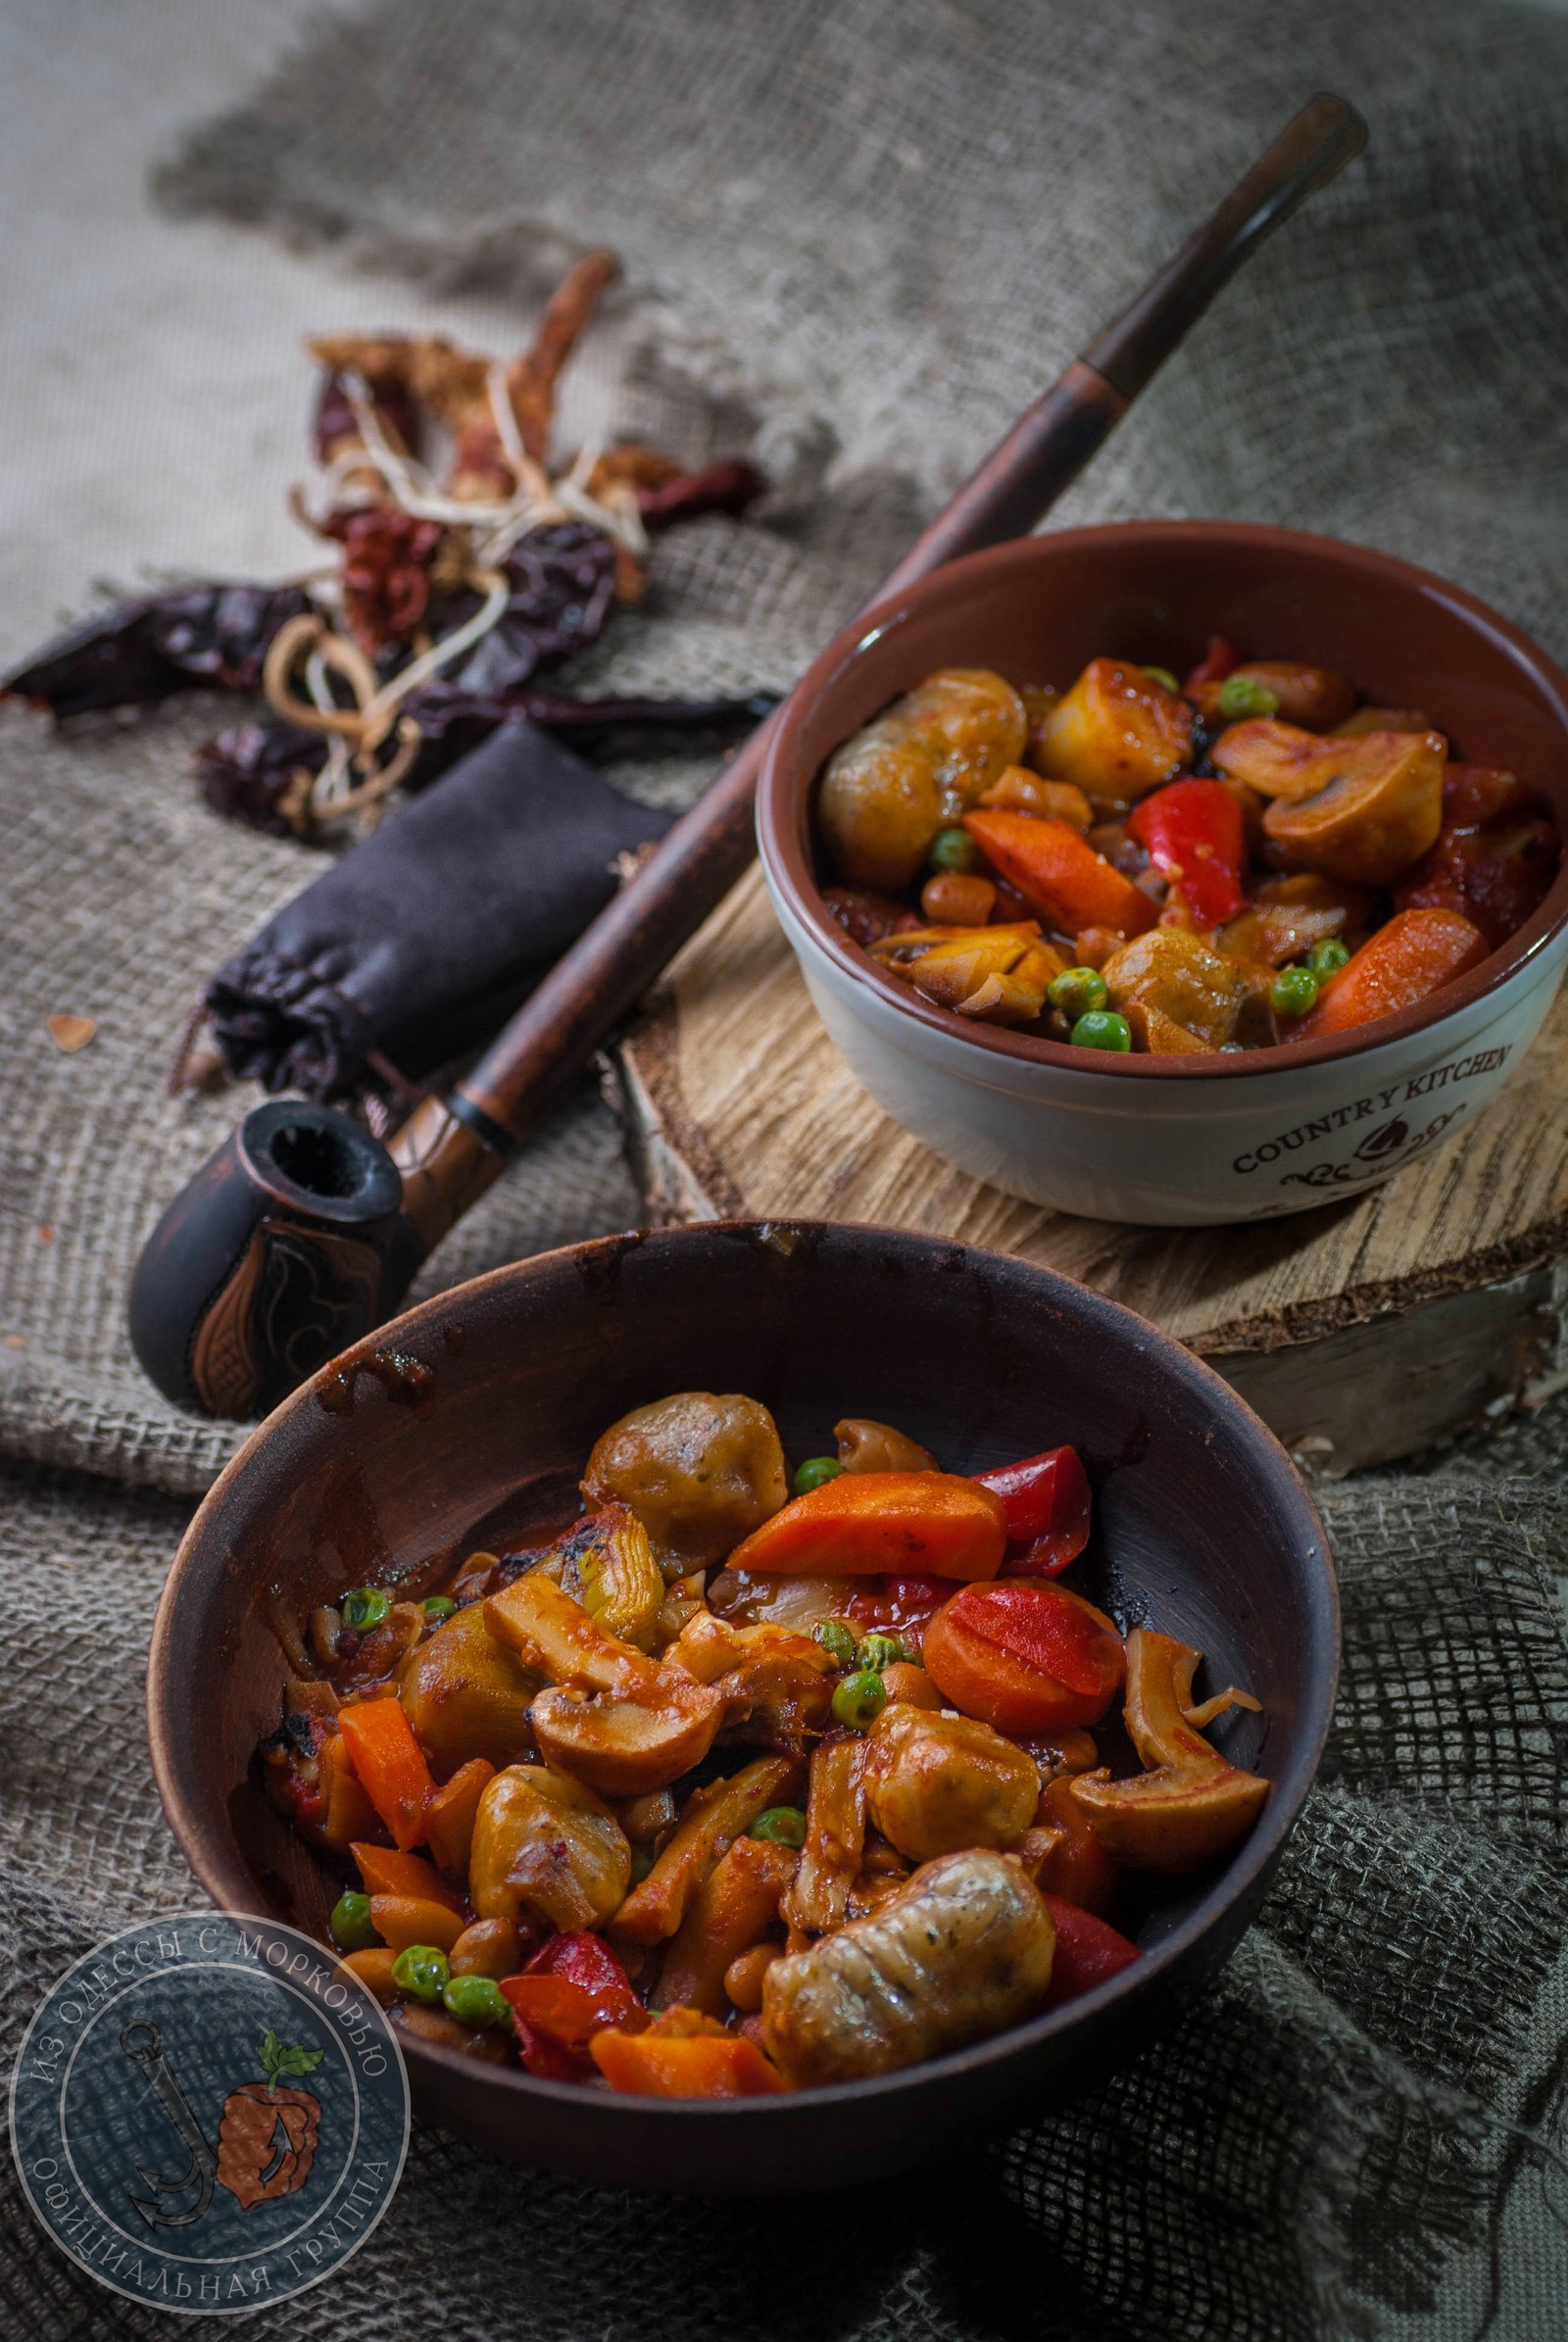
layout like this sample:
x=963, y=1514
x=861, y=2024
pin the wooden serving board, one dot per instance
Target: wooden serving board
x=1361, y=1331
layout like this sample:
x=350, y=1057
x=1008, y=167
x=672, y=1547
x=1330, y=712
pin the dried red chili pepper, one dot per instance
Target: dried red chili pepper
x=563, y=581
x=248, y=774
x=143, y=650
x=728, y=487
x=385, y=576
x=338, y=427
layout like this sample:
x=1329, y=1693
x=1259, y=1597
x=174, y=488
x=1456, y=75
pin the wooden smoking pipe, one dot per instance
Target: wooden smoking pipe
x=302, y=1233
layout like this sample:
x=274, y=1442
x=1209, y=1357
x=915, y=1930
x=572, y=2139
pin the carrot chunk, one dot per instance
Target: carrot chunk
x=402, y=1920
x=701, y=2066
x=1059, y=875
x=390, y=1765
x=1412, y=955
x=385, y=1871
x=865, y=1522
x=348, y=1813
x=450, y=1815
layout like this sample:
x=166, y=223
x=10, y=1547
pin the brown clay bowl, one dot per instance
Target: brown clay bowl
x=1177, y=1140
x=1202, y=1527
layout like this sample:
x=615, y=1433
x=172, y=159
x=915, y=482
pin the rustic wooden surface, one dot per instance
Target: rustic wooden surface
x=1362, y=1331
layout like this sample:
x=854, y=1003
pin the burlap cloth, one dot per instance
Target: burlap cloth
x=856, y=237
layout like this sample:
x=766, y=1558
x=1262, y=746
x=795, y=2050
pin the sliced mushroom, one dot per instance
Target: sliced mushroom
x=612, y=1717
x=625, y=1747
x=1377, y=815
x=1277, y=760
x=1192, y=1805
x=866, y=1446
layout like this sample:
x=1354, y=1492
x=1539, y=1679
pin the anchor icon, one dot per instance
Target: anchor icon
x=201, y=2168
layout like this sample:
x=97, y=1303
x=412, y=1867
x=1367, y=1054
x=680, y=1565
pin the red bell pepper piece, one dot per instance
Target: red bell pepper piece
x=1046, y=1501
x=1192, y=831
x=582, y=1958
x=1215, y=665
x=1089, y=1952
x=573, y=1988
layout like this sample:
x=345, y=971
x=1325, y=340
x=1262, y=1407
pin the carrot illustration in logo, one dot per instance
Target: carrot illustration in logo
x=267, y=2139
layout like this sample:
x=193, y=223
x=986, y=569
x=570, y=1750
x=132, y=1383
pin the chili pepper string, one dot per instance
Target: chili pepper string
x=538, y=501
x=358, y=733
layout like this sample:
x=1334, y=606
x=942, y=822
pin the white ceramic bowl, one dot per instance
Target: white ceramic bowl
x=1180, y=1141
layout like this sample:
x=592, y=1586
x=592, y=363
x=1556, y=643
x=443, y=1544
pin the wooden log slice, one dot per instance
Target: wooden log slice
x=1361, y=1332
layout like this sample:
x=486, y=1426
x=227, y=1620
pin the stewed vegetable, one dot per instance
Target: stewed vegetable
x=1174, y=868
x=718, y=1790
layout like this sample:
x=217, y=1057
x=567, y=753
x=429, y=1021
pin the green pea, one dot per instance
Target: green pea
x=642, y=1862
x=860, y=1700
x=1078, y=991
x=1161, y=674
x=351, y=1924
x=816, y=1472
x=1246, y=695
x=1325, y=958
x=837, y=1637
x=422, y=1971
x=1293, y=992
x=954, y=850
x=365, y=1607
x=1102, y=1028
x=476, y=2000
x=439, y=1606
x=785, y=1825
x=880, y=1650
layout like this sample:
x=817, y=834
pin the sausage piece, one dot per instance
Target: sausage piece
x=960, y=1952
x=937, y=1784
x=697, y=1471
